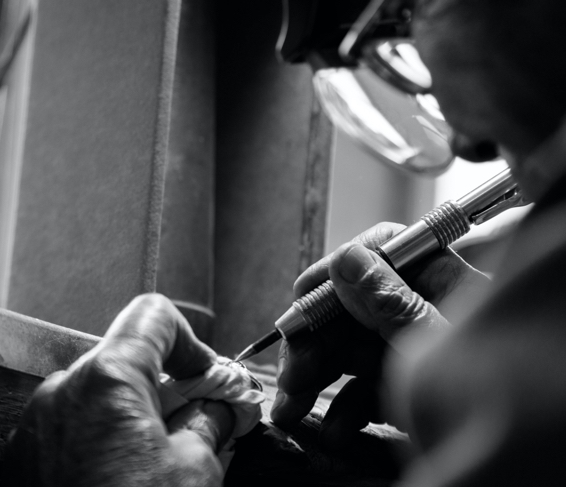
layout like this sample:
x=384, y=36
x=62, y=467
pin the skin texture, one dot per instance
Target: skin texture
x=500, y=95
x=383, y=307
x=495, y=74
x=484, y=60
x=99, y=422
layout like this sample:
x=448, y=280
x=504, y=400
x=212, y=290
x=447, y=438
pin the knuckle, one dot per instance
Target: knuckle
x=151, y=300
x=443, y=277
x=387, y=298
x=378, y=234
x=104, y=385
x=150, y=309
x=53, y=381
x=100, y=372
x=395, y=301
x=47, y=390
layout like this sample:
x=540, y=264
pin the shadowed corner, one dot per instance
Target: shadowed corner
x=269, y=456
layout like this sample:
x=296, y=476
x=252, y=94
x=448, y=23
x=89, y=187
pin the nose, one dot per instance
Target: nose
x=473, y=150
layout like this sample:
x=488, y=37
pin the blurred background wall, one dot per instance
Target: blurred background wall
x=160, y=146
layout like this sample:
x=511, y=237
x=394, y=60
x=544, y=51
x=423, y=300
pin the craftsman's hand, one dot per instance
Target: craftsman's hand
x=99, y=423
x=383, y=308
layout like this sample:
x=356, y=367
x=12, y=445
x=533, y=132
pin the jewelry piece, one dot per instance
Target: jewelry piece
x=253, y=378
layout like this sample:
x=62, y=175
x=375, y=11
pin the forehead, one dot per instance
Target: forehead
x=453, y=21
x=487, y=84
x=469, y=10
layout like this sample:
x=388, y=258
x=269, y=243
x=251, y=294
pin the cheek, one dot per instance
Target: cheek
x=515, y=163
x=478, y=95
x=457, y=83
x=509, y=157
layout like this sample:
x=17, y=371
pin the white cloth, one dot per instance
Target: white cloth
x=227, y=381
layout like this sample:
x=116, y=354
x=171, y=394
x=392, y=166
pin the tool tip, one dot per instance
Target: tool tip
x=259, y=346
x=246, y=353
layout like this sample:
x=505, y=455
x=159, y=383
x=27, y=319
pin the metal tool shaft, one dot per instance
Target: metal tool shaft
x=434, y=231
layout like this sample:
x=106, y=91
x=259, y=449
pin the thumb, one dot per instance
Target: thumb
x=197, y=433
x=376, y=296
x=212, y=421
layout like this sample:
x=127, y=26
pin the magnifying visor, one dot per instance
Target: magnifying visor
x=380, y=39
x=371, y=81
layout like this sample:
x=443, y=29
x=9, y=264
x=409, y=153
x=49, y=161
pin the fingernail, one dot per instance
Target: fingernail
x=355, y=263
x=281, y=366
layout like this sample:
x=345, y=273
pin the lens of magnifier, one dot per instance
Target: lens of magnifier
x=398, y=62
x=399, y=129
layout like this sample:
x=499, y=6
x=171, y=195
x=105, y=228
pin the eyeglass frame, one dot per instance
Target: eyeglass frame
x=381, y=21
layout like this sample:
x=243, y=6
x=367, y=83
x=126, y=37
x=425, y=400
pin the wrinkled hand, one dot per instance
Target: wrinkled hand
x=382, y=308
x=99, y=423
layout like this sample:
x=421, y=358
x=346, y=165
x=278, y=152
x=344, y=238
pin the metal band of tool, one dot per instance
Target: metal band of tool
x=384, y=256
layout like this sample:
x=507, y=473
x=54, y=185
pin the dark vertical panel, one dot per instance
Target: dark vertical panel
x=92, y=177
x=185, y=268
x=316, y=188
x=265, y=130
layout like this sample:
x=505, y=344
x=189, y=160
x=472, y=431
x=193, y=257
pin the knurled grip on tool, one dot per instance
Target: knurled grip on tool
x=448, y=222
x=320, y=305
x=434, y=231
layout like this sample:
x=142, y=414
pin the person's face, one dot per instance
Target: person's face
x=471, y=79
